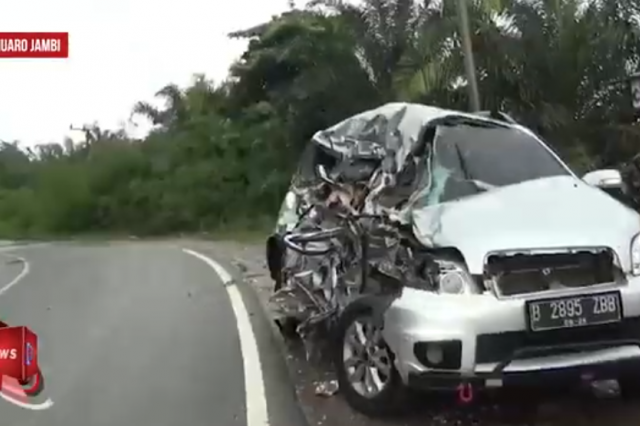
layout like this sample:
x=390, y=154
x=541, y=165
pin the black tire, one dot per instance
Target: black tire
x=275, y=258
x=390, y=401
x=288, y=328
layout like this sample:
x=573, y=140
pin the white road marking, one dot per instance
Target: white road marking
x=21, y=275
x=254, y=388
x=10, y=386
x=35, y=407
x=25, y=264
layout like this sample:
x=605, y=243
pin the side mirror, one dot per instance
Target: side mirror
x=604, y=179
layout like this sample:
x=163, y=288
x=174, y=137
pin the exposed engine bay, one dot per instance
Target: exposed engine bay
x=336, y=253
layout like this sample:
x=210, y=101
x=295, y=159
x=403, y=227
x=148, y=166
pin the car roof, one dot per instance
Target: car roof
x=396, y=125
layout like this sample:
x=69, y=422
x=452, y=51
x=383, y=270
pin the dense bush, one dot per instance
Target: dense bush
x=221, y=155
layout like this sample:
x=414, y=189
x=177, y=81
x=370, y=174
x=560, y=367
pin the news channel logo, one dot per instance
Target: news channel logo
x=21, y=380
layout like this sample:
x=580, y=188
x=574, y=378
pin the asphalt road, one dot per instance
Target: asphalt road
x=143, y=334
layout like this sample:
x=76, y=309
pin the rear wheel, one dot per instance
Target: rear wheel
x=364, y=365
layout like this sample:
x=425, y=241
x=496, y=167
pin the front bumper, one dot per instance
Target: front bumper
x=559, y=380
x=494, y=347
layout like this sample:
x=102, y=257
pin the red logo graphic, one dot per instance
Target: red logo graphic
x=19, y=362
x=34, y=45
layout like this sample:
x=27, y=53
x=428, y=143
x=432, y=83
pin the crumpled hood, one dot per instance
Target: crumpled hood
x=553, y=212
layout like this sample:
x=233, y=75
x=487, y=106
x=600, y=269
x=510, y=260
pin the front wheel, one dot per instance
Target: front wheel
x=364, y=364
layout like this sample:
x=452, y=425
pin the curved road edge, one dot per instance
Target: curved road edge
x=271, y=398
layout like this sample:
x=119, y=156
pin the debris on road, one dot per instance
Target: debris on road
x=241, y=266
x=327, y=388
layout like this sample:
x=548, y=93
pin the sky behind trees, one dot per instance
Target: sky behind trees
x=121, y=51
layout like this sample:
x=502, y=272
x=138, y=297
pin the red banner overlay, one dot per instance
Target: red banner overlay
x=34, y=45
x=18, y=353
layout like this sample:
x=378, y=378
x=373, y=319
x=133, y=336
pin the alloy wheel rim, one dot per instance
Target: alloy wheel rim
x=366, y=358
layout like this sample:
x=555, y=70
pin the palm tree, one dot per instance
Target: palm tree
x=413, y=49
x=561, y=67
x=383, y=31
x=174, y=110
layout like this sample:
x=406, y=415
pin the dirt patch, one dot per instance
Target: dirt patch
x=511, y=410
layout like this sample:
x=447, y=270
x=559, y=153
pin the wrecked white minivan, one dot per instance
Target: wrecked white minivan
x=444, y=250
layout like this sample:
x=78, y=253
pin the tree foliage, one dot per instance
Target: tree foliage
x=220, y=155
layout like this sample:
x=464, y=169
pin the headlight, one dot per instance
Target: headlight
x=454, y=278
x=635, y=255
x=452, y=282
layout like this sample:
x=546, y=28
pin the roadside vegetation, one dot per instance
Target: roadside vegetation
x=221, y=154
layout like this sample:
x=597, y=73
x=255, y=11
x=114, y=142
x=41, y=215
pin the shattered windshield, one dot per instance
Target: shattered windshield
x=469, y=159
